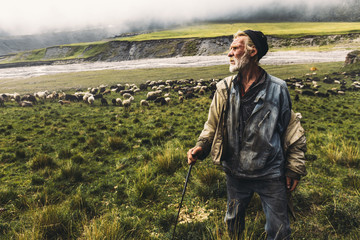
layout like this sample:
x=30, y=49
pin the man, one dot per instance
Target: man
x=253, y=133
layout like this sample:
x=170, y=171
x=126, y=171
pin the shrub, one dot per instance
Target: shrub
x=42, y=161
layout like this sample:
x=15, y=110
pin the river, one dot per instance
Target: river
x=272, y=58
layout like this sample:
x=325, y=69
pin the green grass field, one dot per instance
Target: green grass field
x=280, y=29
x=103, y=172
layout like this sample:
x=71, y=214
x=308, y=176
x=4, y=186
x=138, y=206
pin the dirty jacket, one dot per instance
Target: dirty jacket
x=266, y=127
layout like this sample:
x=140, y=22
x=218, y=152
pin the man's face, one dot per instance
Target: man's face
x=239, y=57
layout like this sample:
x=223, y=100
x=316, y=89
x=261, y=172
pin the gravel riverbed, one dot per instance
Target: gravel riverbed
x=272, y=58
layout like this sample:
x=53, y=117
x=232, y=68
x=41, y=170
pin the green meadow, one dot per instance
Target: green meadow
x=105, y=172
x=283, y=30
x=277, y=29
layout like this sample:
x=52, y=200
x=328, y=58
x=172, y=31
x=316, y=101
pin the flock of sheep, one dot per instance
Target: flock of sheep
x=120, y=95
x=311, y=85
x=159, y=91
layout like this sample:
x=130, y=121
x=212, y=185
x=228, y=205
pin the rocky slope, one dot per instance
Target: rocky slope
x=114, y=51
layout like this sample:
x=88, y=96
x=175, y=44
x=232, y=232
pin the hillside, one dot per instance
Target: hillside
x=209, y=39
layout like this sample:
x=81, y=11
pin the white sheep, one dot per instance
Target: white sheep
x=41, y=95
x=127, y=103
x=153, y=95
x=25, y=104
x=127, y=95
x=119, y=102
x=168, y=100
x=144, y=103
x=91, y=99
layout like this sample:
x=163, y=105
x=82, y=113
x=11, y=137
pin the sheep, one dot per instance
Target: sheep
x=168, y=100
x=107, y=91
x=181, y=99
x=70, y=97
x=16, y=97
x=113, y=101
x=25, y=104
x=29, y=98
x=127, y=95
x=153, y=95
x=91, y=99
x=119, y=101
x=41, y=95
x=2, y=101
x=126, y=103
x=160, y=100
x=104, y=102
x=144, y=103
x=94, y=90
x=86, y=96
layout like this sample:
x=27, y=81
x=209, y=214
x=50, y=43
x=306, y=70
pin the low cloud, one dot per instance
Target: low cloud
x=19, y=17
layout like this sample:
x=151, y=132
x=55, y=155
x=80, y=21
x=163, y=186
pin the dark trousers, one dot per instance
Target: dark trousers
x=274, y=202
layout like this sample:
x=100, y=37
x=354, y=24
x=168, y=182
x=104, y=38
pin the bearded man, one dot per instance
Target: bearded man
x=253, y=133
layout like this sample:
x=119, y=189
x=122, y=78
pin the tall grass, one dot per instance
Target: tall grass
x=343, y=152
x=170, y=158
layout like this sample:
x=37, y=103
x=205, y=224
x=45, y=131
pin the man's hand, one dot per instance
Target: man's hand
x=291, y=184
x=192, y=154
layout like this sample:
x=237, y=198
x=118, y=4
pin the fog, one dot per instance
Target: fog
x=24, y=17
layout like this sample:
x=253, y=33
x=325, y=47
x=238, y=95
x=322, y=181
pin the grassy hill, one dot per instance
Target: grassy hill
x=187, y=41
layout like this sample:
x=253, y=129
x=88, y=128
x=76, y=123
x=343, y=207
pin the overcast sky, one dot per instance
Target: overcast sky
x=32, y=16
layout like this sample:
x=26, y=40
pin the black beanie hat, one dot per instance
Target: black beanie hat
x=260, y=41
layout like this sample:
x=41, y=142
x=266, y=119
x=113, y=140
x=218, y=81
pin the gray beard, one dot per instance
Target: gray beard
x=240, y=64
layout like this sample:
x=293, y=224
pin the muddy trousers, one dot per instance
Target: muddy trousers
x=274, y=203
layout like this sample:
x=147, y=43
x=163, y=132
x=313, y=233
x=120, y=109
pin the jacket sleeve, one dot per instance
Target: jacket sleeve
x=295, y=148
x=207, y=135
